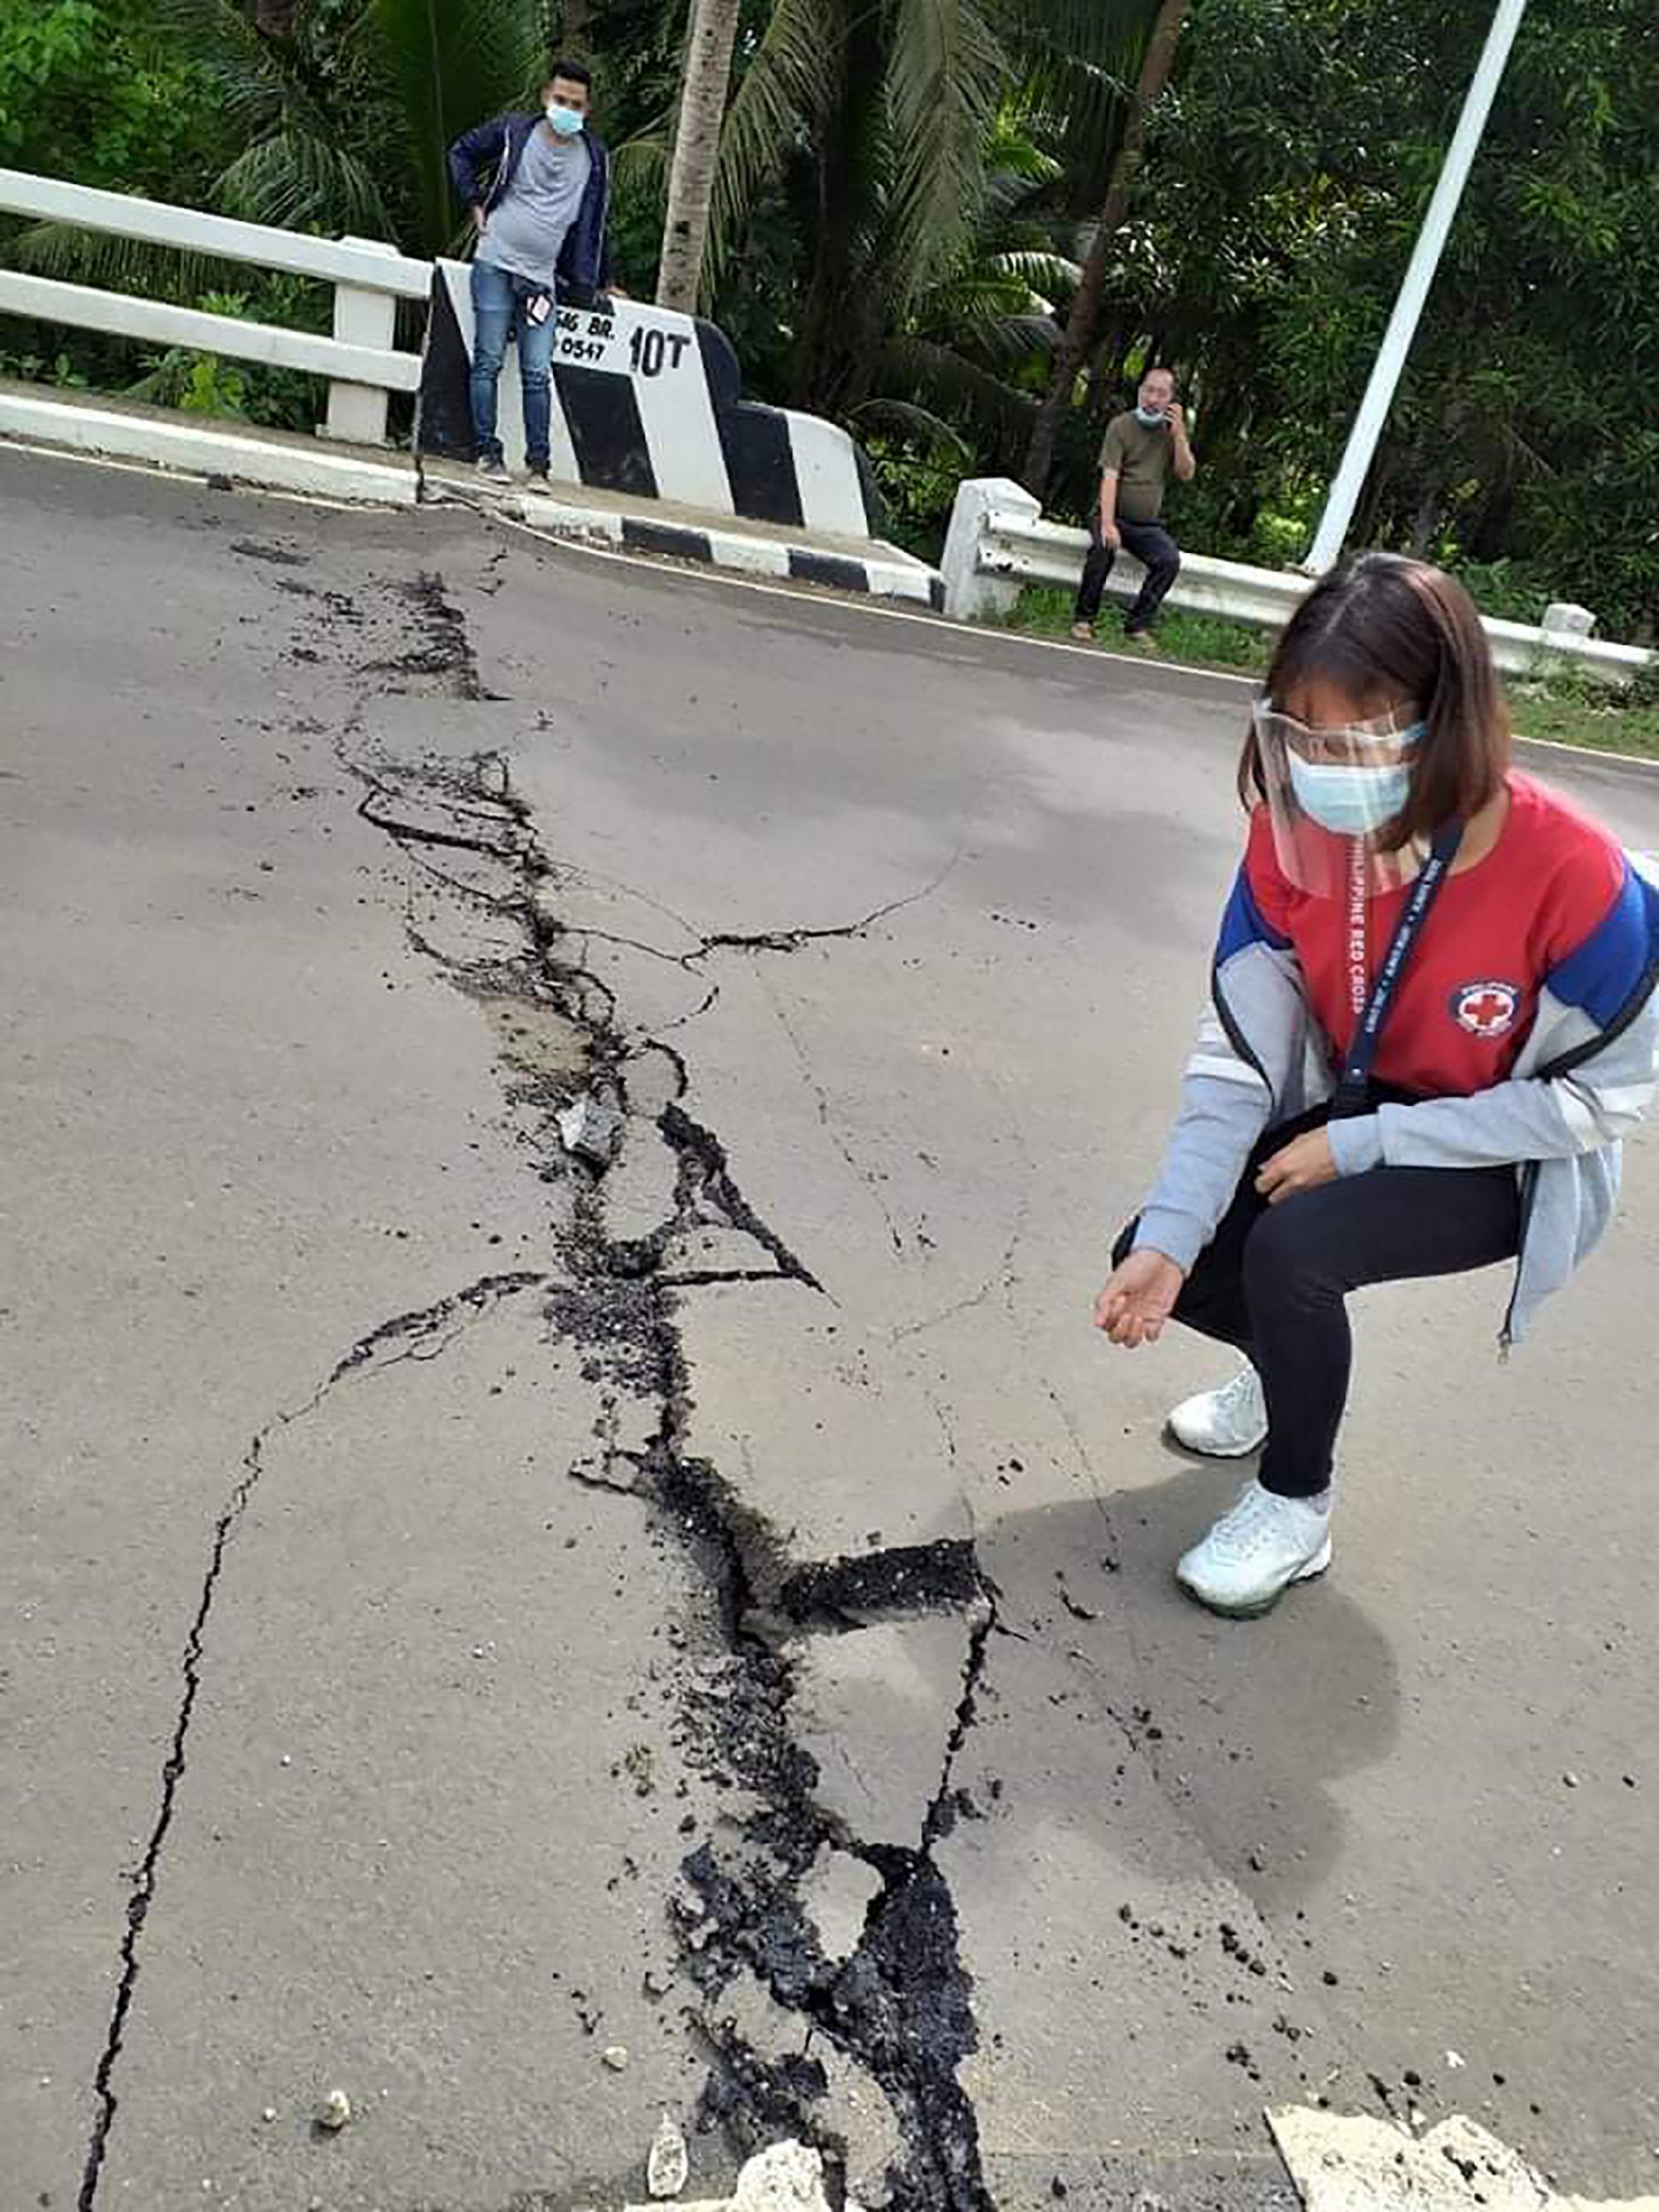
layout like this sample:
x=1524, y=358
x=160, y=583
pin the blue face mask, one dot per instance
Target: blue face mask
x=565, y=122
x=1349, y=801
x=1150, y=417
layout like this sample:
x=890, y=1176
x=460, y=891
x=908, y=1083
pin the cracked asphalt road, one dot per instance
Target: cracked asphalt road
x=468, y=1615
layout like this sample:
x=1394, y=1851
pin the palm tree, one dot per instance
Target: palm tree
x=961, y=370
x=708, y=72
x=880, y=112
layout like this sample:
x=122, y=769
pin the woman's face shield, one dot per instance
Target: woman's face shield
x=1332, y=793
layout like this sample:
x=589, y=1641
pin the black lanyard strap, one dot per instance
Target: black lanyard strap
x=1353, y=1092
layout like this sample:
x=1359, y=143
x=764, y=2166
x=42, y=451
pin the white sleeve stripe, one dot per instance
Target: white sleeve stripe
x=1233, y=1071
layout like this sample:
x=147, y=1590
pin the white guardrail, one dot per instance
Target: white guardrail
x=360, y=359
x=998, y=542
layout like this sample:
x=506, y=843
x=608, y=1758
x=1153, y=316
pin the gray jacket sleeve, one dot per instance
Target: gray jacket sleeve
x=1535, y=1117
x=1226, y=1101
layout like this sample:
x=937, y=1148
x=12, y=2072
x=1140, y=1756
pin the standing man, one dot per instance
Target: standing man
x=1140, y=447
x=538, y=187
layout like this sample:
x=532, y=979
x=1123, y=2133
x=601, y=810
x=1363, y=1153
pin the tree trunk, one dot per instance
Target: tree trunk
x=1155, y=64
x=1425, y=521
x=573, y=29
x=275, y=19
x=696, y=152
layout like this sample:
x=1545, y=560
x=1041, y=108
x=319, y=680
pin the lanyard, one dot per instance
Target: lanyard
x=1373, y=1008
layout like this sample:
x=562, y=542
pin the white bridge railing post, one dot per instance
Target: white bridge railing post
x=357, y=412
x=971, y=590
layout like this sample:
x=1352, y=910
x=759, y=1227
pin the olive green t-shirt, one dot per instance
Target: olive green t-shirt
x=1141, y=458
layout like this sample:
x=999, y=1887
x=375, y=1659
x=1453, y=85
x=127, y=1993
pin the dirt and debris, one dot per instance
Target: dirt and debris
x=334, y=2111
x=668, y=2162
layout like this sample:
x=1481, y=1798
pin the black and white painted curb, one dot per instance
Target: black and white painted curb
x=882, y=573
x=646, y=402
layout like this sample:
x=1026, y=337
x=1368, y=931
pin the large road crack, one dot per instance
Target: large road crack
x=900, y=2007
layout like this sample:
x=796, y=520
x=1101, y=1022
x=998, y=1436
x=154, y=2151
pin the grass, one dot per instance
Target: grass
x=1191, y=641
x=1565, y=709
x=1571, y=714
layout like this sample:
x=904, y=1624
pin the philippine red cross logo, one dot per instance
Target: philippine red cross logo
x=1486, y=1009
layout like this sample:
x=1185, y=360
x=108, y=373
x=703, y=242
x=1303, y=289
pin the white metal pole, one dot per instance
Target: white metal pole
x=1384, y=376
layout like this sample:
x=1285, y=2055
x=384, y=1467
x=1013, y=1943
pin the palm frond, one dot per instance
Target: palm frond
x=1079, y=60
x=1041, y=270
x=937, y=377
x=257, y=82
x=789, y=80
x=986, y=329
x=301, y=181
x=640, y=164
x=944, y=74
x=917, y=421
x=1012, y=156
x=455, y=63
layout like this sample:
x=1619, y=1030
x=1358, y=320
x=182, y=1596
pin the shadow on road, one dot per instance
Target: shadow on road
x=1247, y=1725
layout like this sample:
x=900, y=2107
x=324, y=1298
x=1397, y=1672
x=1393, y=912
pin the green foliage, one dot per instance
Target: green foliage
x=918, y=466
x=1287, y=178
x=1602, y=720
x=1506, y=588
x=82, y=95
x=204, y=384
x=33, y=368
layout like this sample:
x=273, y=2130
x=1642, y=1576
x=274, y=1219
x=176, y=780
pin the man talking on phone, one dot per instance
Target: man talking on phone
x=1141, y=446
x=539, y=188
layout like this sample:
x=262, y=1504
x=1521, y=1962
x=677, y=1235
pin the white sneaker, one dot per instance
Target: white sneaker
x=1226, y=1424
x=1257, y=1548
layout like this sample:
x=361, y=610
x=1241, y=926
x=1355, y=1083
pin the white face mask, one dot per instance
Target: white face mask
x=565, y=122
x=1349, y=801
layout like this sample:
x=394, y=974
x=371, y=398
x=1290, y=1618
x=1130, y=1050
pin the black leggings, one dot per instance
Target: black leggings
x=1272, y=1279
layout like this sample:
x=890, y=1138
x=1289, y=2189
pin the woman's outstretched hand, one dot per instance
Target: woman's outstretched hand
x=1138, y=1298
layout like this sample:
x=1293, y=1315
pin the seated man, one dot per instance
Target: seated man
x=1140, y=445
x=538, y=187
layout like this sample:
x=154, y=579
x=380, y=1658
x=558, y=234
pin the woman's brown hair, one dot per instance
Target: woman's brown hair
x=1383, y=626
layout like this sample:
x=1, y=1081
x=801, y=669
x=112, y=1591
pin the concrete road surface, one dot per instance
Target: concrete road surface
x=538, y=1641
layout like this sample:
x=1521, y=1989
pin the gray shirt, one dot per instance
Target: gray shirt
x=525, y=232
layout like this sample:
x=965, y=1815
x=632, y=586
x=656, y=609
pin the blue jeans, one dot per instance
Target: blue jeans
x=499, y=302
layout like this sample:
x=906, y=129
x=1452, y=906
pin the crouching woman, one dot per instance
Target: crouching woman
x=1432, y=1019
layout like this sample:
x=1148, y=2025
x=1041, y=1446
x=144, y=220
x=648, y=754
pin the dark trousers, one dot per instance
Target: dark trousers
x=1156, y=551
x=1273, y=1282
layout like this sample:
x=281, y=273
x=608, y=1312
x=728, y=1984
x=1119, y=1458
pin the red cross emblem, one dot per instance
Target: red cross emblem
x=1486, y=1009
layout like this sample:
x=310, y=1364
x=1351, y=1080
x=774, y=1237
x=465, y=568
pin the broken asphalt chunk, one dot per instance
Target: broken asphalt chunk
x=590, y=1129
